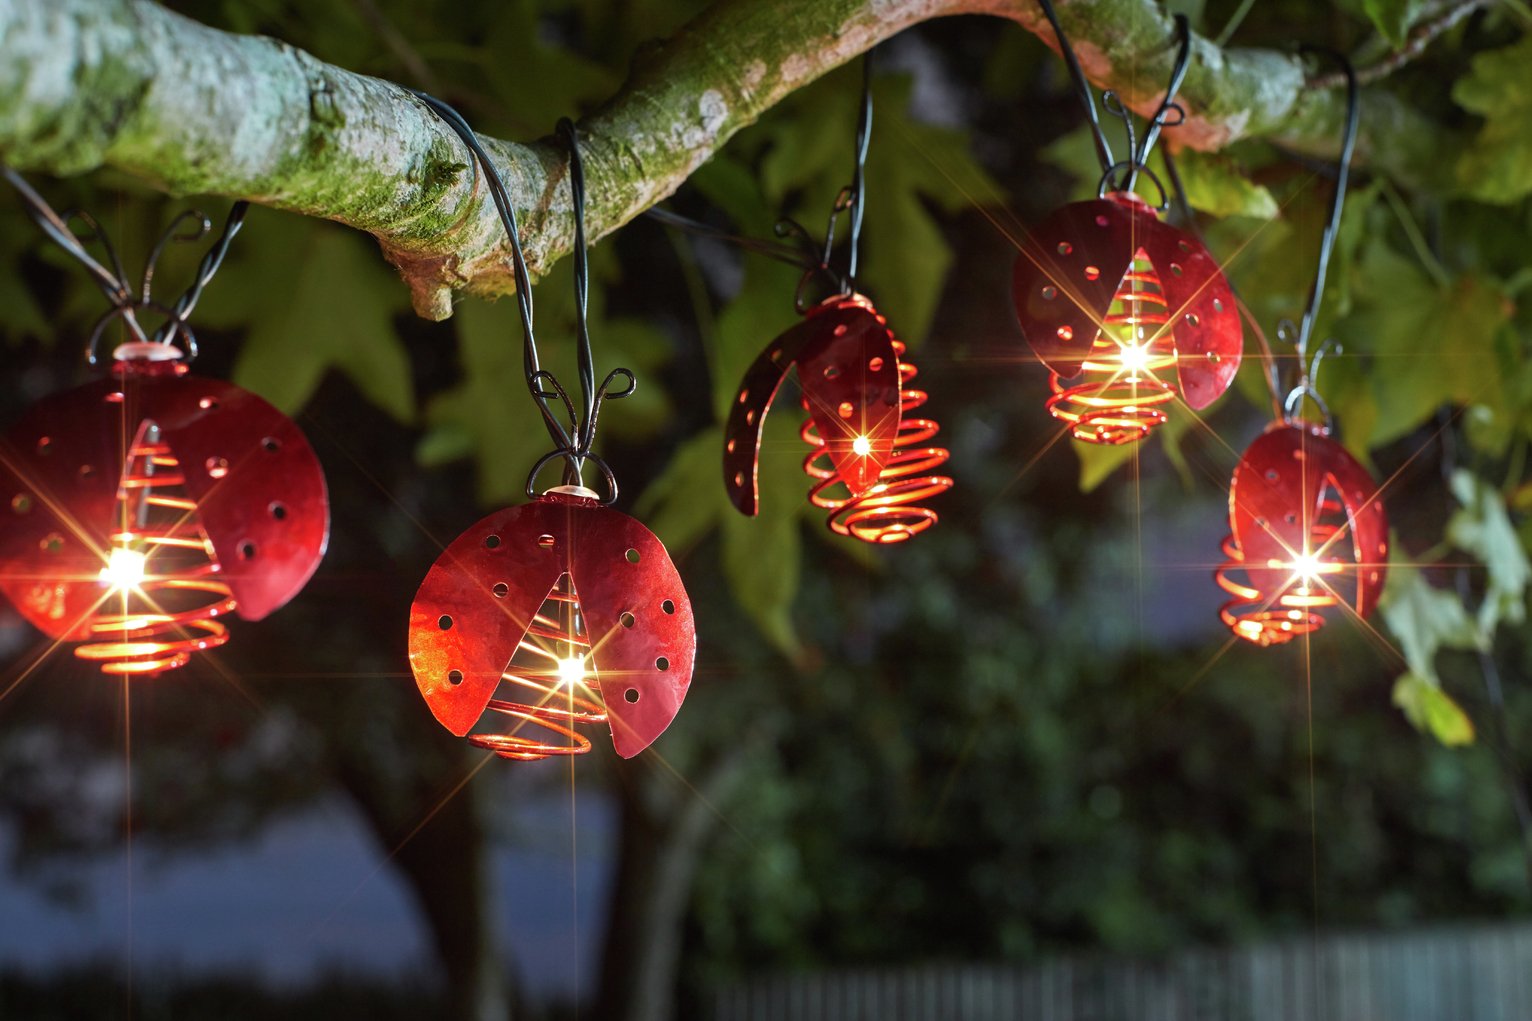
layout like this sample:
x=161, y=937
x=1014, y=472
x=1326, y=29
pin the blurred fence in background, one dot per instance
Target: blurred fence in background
x=1461, y=973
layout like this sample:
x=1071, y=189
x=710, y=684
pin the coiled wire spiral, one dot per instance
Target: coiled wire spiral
x=890, y=511
x=1119, y=399
x=1276, y=617
x=556, y=637
x=160, y=621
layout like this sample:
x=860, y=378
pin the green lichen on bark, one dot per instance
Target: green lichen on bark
x=128, y=84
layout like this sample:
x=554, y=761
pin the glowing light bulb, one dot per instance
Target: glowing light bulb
x=571, y=670
x=861, y=446
x=124, y=569
x=1306, y=566
x=1134, y=358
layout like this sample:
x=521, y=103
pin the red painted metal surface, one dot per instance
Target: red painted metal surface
x=247, y=496
x=1112, y=262
x=479, y=608
x=848, y=369
x=1308, y=533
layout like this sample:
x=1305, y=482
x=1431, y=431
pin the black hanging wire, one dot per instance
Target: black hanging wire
x=573, y=443
x=1308, y=371
x=813, y=257
x=126, y=302
x=1122, y=175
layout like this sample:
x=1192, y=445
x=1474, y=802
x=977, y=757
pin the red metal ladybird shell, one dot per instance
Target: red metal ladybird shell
x=848, y=368
x=1070, y=270
x=1296, y=491
x=480, y=598
x=259, y=490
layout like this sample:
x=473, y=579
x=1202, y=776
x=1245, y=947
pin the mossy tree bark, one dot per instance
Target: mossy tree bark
x=128, y=84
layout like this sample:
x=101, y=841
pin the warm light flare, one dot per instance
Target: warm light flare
x=571, y=670
x=124, y=569
x=861, y=446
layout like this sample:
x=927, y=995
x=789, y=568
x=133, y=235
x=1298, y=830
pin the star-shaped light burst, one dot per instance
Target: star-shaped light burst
x=1134, y=308
x=1308, y=533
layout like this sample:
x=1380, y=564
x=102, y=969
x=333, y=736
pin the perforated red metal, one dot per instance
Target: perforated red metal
x=849, y=372
x=481, y=598
x=1073, y=266
x=1308, y=533
x=238, y=465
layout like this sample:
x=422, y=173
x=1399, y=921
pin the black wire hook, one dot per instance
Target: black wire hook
x=113, y=282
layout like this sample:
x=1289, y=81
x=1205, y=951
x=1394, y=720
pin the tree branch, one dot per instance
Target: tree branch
x=1420, y=37
x=131, y=85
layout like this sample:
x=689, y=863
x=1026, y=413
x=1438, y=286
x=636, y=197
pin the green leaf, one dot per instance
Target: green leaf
x=1098, y=462
x=1424, y=619
x=1216, y=185
x=1497, y=167
x=1483, y=527
x=1431, y=710
x=324, y=302
x=687, y=500
x=1393, y=18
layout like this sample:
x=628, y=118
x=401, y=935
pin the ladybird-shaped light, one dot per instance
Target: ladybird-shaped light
x=1308, y=533
x=551, y=614
x=1129, y=313
x=870, y=457
x=146, y=507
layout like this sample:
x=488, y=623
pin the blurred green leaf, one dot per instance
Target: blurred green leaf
x=1216, y=185
x=686, y=501
x=1497, y=166
x=1483, y=527
x=1393, y=18
x=1424, y=619
x=1432, y=711
x=1099, y=461
x=323, y=298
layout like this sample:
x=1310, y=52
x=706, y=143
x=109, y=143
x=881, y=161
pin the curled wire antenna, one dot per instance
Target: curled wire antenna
x=572, y=443
x=1122, y=175
x=126, y=301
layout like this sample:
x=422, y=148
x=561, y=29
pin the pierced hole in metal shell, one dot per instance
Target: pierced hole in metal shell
x=208, y=404
x=45, y=445
x=1260, y=522
x=115, y=397
x=271, y=444
x=1050, y=292
x=744, y=395
x=546, y=541
x=278, y=510
x=875, y=365
x=739, y=479
x=1184, y=245
x=750, y=417
x=729, y=447
x=627, y=619
x=668, y=606
x=491, y=542
x=662, y=663
x=631, y=556
x=776, y=355
x=501, y=590
x=51, y=543
x=217, y=467
x=1175, y=267
x=846, y=409
x=87, y=470
x=840, y=330
x=1214, y=357
x=1217, y=304
x=832, y=372
x=1290, y=518
x=1065, y=333
x=21, y=503
x=1193, y=319
x=1092, y=273
x=247, y=550
x=1102, y=221
x=1271, y=475
x=1064, y=248
x=631, y=695
x=454, y=677
x=444, y=622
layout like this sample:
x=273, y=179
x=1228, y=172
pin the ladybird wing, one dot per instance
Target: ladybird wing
x=464, y=627
x=260, y=491
x=747, y=414
x=1065, y=278
x=1203, y=317
x=850, y=378
x=1265, y=496
x=1366, y=517
x=59, y=468
x=643, y=636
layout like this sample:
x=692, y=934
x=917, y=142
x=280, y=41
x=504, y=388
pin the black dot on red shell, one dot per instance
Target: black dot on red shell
x=631, y=695
x=491, y=542
x=444, y=622
x=454, y=677
x=631, y=556
x=501, y=590
x=662, y=663
x=247, y=550
x=277, y=510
